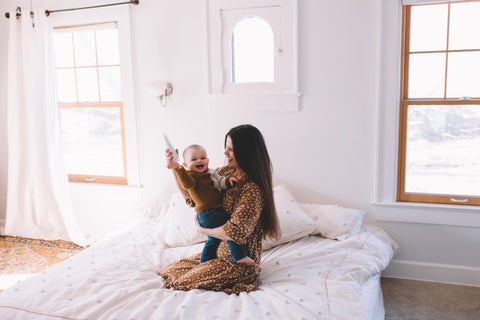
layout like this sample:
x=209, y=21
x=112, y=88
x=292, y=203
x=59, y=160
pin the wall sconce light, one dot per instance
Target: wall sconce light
x=161, y=90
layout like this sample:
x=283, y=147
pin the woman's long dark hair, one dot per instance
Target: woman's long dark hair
x=252, y=157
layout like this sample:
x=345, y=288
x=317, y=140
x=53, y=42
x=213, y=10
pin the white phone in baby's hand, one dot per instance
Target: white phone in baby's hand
x=171, y=148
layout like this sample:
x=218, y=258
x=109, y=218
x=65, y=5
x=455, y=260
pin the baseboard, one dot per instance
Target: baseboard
x=2, y=226
x=435, y=272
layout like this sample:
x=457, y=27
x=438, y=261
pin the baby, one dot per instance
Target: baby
x=203, y=185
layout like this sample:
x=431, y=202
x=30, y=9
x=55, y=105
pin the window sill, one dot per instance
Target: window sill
x=260, y=102
x=452, y=215
x=90, y=185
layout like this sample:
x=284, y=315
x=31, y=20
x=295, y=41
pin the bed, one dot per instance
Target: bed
x=327, y=265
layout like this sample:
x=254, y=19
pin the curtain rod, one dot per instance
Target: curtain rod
x=47, y=12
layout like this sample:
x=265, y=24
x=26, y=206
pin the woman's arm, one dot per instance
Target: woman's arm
x=246, y=213
x=218, y=232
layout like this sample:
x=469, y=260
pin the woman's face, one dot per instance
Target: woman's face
x=231, y=162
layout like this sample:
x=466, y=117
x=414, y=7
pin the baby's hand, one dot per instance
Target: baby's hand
x=233, y=180
x=190, y=202
x=171, y=164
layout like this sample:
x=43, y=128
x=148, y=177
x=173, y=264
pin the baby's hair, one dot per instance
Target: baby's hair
x=192, y=146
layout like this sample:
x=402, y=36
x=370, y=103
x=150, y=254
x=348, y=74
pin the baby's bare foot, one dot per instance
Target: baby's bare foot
x=247, y=260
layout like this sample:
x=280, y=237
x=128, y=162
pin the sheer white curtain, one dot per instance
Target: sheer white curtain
x=38, y=199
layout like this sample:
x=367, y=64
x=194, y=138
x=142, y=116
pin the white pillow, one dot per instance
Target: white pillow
x=181, y=230
x=294, y=222
x=157, y=212
x=335, y=222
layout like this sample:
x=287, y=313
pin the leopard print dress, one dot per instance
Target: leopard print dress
x=244, y=202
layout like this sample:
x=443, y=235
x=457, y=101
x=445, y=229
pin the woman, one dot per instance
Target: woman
x=253, y=218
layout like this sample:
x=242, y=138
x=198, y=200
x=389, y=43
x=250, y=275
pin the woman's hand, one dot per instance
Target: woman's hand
x=218, y=232
x=171, y=164
x=200, y=229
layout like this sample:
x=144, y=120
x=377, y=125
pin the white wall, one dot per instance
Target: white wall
x=325, y=153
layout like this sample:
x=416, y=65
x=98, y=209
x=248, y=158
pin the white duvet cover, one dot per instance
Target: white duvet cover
x=310, y=278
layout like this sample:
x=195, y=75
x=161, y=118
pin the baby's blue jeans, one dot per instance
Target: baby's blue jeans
x=213, y=218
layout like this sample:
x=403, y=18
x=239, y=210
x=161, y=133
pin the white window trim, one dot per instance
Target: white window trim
x=288, y=97
x=121, y=15
x=386, y=208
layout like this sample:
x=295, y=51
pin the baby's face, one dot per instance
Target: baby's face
x=196, y=160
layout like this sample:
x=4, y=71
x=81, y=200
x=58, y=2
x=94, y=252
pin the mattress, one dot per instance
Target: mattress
x=309, y=278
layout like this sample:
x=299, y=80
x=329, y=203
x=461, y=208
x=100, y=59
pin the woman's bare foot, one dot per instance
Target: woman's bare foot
x=247, y=260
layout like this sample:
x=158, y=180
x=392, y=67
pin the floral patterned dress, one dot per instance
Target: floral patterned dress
x=244, y=202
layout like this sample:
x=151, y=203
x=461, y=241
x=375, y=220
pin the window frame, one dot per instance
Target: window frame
x=268, y=14
x=98, y=178
x=120, y=15
x=282, y=94
x=405, y=102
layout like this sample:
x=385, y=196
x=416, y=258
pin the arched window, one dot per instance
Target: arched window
x=252, y=51
x=253, y=54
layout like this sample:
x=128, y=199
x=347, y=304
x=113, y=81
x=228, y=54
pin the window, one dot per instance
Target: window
x=439, y=149
x=90, y=104
x=95, y=109
x=252, y=54
x=248, y=46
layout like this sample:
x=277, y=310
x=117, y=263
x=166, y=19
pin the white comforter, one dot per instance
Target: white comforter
x=310, y=278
